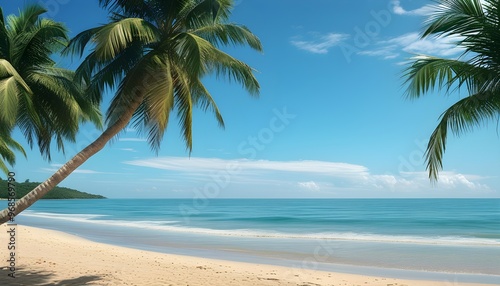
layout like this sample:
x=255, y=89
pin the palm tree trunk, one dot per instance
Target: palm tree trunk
x=80, y=158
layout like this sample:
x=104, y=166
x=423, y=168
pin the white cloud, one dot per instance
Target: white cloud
x=412, y=44
x=128, y=149
x=388, y=52
x=422, y=11
x=442, y=46
x=132, y=139
x=311, y=185
x=451, y=180
x=320, y=44
x=194, y=164
x=56, y=167
x=338, y=178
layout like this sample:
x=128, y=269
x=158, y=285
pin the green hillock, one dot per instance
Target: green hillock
x=56, y=193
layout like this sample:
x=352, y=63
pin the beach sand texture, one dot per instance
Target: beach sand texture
x=46, y=257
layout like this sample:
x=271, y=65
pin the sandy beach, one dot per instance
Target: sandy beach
x=46, y=257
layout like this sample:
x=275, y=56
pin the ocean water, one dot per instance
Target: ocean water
x=449, y=239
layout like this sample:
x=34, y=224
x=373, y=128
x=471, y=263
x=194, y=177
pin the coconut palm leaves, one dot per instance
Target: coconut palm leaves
x=41, y=99
x=157, y=52
x=475, y=24
x=7, y=145
x=154, y=54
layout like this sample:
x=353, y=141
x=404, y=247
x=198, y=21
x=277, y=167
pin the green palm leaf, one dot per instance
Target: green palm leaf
x=4, y=38
x=45, y=102
x=184, y=104
x=11, y=84
x=7, y=148
x=222, y=34
x=474, y=23
x=170, y=45
x=153, y=54
x=203, y=99
x=113, y=38
x=461, y=117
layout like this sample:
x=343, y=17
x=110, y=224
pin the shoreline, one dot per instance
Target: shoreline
x=47, y=256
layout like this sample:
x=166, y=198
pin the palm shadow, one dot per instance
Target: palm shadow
x=42, y=278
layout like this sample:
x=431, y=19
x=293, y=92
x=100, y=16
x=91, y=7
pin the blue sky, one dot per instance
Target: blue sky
x=331, y=121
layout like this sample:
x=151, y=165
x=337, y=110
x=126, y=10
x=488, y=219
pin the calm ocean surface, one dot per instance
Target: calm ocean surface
x=458, y=237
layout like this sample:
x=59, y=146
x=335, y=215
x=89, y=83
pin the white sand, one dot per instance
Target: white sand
x=46, y=257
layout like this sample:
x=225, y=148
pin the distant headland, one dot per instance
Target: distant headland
x=57, y=193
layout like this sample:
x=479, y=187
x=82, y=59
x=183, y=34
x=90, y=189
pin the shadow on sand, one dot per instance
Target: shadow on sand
x=42, y=278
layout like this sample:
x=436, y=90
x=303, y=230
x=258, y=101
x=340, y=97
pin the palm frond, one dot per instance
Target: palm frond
x=474, y=24
x=203, y=99
x=199, y=13
x=7, y=70
x=7, y=148
x=456, y=17
x=26, y=19
x=226, y=66
x=193, y=51
x=133, y=8
x=11, y=83
x=461, y=117
x=77, y=44
x=8, y=102
x=159, y=56
x=43, y=39
x=201, y=57
x=134, y=85
x=113, y=38
x=4, y=39
x=184, y=105
x=46, y=102
x=6, y=153
x=427, y=73
x=56, y=95
x=220, y=34
x=108, y=74
x=158, y=102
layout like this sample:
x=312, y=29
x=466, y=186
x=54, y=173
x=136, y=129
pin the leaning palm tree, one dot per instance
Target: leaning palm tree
x=155, y=54
x=42, y=100
x=476, y=26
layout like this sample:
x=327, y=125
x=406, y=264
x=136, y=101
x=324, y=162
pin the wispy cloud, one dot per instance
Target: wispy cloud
x=334, y=176
x=412, y=44
x=128, y=149
x=132, y=139
x=184, y=164
x=450, y=180
x=422, y=11
x=319, y=43
x=311, y=185
x=55, y=167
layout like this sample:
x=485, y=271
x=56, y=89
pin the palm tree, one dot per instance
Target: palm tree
x=7, y=145
x=41, y=99
x=155, y=53
x=476, y=26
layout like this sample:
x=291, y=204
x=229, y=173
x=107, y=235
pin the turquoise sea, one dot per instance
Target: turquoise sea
x=447, y=239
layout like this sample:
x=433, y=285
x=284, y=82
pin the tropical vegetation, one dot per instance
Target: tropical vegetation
x=56, y=193
x=7, y=148
x=44, y=101
x=475, y=24
x=154, y=54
